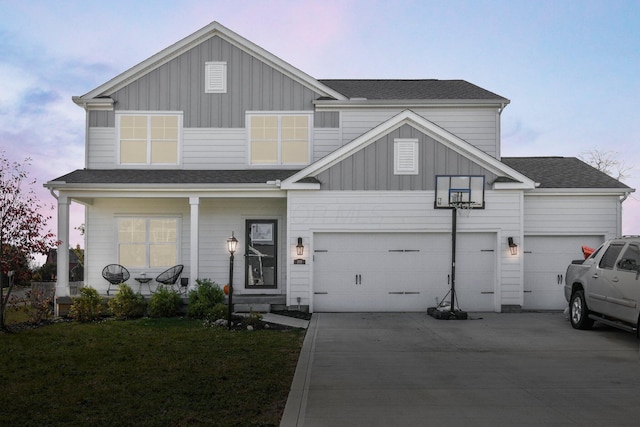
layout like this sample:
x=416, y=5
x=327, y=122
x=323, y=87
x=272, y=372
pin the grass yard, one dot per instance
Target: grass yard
x=154, y=372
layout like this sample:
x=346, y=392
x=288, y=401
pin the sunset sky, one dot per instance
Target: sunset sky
x=570, y=68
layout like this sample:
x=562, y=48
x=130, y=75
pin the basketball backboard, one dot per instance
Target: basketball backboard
x=454, y=191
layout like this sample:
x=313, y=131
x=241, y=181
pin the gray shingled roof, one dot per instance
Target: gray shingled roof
x=146, y=176
x=562, y=172
x=412, y=89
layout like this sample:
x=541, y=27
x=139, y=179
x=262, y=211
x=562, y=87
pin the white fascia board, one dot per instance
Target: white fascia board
x=94, y=104
x=299, y=186
x=332, y=105
x=581, y=191
x=427, y=127
x=512, y=186
x=137, y=193
x=207, y=32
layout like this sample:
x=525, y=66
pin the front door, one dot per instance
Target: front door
x=261, y=254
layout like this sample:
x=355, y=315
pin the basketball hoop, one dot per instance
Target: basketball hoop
x=463, y=209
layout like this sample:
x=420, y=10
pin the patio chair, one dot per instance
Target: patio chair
x=170, y=277
x=115, y=274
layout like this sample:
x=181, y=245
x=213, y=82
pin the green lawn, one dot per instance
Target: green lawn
x=156, y=372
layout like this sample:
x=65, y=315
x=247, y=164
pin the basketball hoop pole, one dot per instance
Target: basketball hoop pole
x=454, y=232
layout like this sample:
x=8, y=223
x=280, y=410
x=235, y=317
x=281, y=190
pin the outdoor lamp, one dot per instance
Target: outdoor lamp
x=300, y=247
x=299, y=252
x=513, y=248
x=232, y=245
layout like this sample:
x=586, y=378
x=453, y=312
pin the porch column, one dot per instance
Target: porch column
x=62, y=280
x=194, y=202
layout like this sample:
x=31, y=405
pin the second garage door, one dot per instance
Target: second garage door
x=356, y=272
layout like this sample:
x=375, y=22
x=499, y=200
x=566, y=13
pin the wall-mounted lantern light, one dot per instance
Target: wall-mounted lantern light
x=513, y=248
x=299, y=252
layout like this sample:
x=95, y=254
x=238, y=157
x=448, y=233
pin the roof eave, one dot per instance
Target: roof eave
x=327, y=105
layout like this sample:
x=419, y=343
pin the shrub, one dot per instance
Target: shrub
x=37, y=304
x=204, y=298
x=254, y=318
x=126, y=304
x=87, y=307
x=165, y=303
x=219, y=311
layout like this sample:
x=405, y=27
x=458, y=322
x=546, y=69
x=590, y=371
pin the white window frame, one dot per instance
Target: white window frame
x=280, y=114
x=147, y=219
x=406, y=156
x=215, y=77
x=149, y=114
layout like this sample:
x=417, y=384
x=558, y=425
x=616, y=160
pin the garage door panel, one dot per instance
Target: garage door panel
x=396, y=271
x=545, y=262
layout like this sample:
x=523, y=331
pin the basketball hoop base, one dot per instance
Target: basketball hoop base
x=440, y=314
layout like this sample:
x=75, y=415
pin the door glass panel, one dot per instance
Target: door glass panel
x=261, y=254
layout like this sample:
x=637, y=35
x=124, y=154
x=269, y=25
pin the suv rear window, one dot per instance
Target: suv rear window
x=611, y=255
x=630, y=259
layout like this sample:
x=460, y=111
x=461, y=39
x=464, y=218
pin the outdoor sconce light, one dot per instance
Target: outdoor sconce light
x=513, y=248
x=232, y=245
x=299, y=252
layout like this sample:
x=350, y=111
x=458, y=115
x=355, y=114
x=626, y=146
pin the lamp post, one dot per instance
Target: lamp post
x=232, y=244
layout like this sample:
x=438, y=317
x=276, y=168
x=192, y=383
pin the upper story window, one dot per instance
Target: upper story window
x=149, y=139
x=215, y=77
x=405, y=156
x=279, y=139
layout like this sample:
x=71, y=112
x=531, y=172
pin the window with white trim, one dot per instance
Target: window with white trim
x=405, y=153
x=215, y=75
x=279, y=139
x=148, y=139
x=150, y=242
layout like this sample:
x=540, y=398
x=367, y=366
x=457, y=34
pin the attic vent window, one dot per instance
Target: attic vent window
x=215, y=77
x=405, y=157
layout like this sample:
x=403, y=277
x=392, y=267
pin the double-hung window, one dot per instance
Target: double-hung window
x=150, y=242
x=149, y=139
x=279, y=139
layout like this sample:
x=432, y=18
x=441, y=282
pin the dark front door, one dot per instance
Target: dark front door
x=261, y=253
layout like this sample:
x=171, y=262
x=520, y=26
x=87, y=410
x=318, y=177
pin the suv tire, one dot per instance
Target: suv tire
x=578, y=311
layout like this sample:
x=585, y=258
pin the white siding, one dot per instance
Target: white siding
x=208, y=148
x=218, y=218
x=569, y=214
x=325, y=141
x=102, y=148
x=101, y=239
x=311, y=212
x=478, y=126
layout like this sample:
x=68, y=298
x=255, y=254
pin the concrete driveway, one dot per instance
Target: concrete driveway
x=409, y=369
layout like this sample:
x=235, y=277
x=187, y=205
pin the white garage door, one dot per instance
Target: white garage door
x=545, y=262
x=357, y=272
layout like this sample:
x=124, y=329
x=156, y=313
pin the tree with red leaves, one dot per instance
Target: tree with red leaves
x=22, y=225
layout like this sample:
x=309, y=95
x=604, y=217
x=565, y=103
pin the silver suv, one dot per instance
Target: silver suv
x=605, y=287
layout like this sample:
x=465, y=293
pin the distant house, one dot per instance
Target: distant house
x=76, y=270
x=215, y=135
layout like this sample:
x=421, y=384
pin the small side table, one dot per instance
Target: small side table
x=143, y=280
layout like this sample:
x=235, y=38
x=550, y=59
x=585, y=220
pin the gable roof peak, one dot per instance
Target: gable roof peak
x=211, y=30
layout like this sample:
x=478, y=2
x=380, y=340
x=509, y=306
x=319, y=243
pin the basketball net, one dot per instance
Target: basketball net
x=463, y=209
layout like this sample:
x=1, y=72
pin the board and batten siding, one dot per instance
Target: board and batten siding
x=179, y=85
x=412, y=211
x=372, y=168
x=572, y=214
x=478, y=126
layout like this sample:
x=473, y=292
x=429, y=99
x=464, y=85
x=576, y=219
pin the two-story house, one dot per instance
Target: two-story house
x=214, y=136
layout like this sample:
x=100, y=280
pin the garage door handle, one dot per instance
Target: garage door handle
x=358, y=279
x=321, y=293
